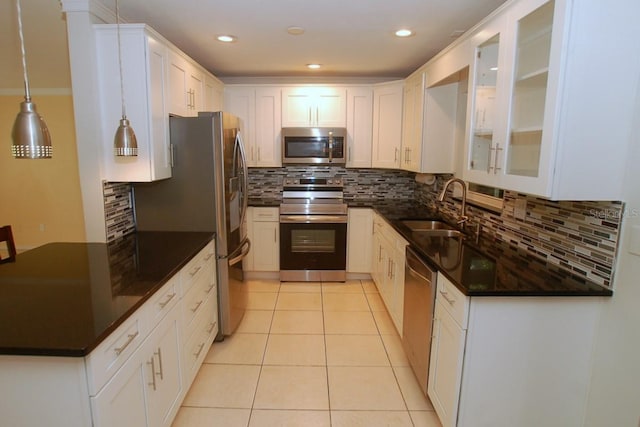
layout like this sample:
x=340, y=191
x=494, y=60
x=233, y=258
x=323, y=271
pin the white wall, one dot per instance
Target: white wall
x=614, y=398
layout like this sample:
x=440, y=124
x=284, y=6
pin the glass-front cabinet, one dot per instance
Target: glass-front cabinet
x=506, y=145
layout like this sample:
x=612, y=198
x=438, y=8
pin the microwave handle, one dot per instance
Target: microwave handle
x=330, y=148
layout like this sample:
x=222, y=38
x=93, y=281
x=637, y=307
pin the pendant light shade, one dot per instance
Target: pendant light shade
x=30, y=135
x=125, y=143
x=31, y=138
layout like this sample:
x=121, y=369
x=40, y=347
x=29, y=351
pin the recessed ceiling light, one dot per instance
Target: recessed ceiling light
x=295, y=31
x=225, y=38
x=314, y=66
x=404, y=33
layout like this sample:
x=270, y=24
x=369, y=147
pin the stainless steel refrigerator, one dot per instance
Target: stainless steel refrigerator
x=206, y=192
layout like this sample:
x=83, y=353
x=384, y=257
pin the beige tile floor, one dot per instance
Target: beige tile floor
x=308, y=354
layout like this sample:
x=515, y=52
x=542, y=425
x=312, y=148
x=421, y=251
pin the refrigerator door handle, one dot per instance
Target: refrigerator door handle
x=239, y=145
x=244, y=248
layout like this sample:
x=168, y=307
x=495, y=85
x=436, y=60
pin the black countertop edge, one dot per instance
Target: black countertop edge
x=150, y=245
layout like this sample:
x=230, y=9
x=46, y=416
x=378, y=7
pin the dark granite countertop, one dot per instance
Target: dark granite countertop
x=63, y=299
x=488, y=267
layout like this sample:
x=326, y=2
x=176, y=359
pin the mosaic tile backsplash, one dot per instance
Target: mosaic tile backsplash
x=118, y=210
x=359, y=184
x=580, y=237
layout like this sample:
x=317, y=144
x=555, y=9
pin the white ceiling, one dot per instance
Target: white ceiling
x=351, y=38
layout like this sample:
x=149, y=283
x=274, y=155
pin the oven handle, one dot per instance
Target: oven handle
x=313, y=219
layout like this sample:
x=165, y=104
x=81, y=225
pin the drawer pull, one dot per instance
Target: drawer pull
x=197, y=306
x=213, y=285
x=159, y=354
x=445, y=295
x=212, y=326
x=165, y=302
x=153, y=373
x=194, y=272
x=130, y=339
x=200, y=348
x=208, y=257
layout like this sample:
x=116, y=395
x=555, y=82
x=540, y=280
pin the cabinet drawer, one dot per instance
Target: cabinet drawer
x=197, y=346
x=163, y=300
x=113, y=352
x=454, y=301
x=194, y=301
x=191, y=272
x=266, y=214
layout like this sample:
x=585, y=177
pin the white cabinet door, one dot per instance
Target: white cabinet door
x=145, y=80
x=359, y=126
x=195, y=91
x=179, y=75
x=264, y=232
x=122, y=401
x=268, y=127
x=359, y=240
x=445, y=366
x=387, y=125
x=412, y=115
x=311, y=106
x=164, y=377
x=241, y=101
x=213, y=94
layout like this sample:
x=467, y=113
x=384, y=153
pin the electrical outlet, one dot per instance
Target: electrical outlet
x=520, y=209
x=41, y=227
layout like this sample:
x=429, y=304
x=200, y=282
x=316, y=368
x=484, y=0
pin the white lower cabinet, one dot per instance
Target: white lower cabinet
x=359, y=240
x=263, y=230
x=510, y=361
x=387, y=268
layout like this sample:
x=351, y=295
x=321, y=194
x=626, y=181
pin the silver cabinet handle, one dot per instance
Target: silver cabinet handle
x=159, y=354
x=211, y=327
x=495, y=161
x=395, y=154
x=213, y=285
x=194, y=272
x=208, y=257
x=197, y=306
x=130, y=339
x=164, y=303
x=446, y=297
x=197, y=353
x=153, y=373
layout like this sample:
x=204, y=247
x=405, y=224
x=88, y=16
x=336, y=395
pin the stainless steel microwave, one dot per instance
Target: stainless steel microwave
x=314, y=146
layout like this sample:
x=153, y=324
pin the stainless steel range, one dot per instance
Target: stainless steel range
x=313, y=230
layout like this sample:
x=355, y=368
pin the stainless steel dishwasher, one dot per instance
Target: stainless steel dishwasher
x=419, y=301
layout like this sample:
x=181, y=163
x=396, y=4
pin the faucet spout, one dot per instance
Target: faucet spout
x=463, y=207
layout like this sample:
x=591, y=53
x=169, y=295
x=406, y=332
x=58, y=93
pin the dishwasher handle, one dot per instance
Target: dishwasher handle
x=412, y=258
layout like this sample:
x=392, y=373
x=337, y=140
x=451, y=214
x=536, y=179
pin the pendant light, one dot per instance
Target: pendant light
x=30, y=135
x=124, y=142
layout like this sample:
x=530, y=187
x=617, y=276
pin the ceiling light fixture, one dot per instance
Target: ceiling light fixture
x=125, y=143
x=404, y=33
x=225, y=38
x=295, y=31
x=30, y=135
x=314, y=66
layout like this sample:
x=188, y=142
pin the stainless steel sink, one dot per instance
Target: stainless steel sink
x=440, y=233
x=427, y=225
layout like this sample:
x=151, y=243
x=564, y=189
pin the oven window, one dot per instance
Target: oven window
x=317, y=241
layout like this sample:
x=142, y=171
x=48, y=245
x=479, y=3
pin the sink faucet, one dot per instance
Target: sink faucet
x=463, y=211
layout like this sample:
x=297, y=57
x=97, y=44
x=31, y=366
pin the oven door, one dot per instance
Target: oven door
x=312, y=247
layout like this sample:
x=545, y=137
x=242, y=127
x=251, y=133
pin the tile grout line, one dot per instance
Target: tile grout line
x=326, y=356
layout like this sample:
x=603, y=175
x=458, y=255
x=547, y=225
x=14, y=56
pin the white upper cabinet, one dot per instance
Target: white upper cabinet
x=313, y=106
x=539, y=123
x=259, y=108
x=359, y=126
x=412, y=115
x=145, y=80
x=213, y=94
x=387, y=125
x=186, y=86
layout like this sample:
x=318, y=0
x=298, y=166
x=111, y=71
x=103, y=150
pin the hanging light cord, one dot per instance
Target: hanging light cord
x=124, y=113
x=27, y=93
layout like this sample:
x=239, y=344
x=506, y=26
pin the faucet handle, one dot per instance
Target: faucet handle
x=463, y=219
